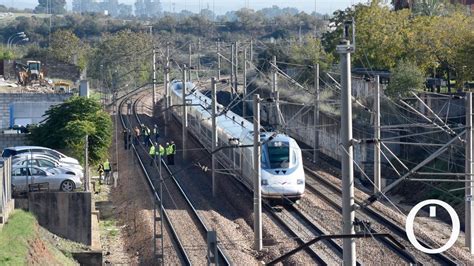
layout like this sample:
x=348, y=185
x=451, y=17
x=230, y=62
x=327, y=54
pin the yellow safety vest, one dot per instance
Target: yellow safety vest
x=173, y=148
x=169, y=150
x=106, y=165
x=152, y=150
x=161, y=150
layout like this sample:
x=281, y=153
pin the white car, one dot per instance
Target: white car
x=12, y=151
x=23, y=176
x=47, y=160
x=46, y=163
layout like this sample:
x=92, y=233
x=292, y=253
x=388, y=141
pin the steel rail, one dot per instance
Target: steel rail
x=391, y=225
x=270, y=210
x=397, y=250
x=223, y=259
x=181, y=251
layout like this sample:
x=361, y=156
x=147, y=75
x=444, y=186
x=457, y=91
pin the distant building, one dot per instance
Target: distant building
x=109, y=7
x=148, y=8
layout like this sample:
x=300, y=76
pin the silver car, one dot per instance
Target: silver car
x=47, y=163
x=23, y=176
x=12, y=151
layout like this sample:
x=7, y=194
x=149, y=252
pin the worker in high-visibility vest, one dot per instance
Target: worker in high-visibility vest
x=147, y=135
x=107, y=170
x=168, y=152
x=161, y=151
x=152, y=153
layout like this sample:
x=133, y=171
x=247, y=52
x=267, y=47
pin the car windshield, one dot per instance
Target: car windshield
x=278, y=154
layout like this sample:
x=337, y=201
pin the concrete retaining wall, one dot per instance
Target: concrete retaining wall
x=65, y=214
x=27, y=101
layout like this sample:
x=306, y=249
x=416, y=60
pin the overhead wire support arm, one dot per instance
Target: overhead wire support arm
x=434, y=114
x=439, y=151
x=428, y=119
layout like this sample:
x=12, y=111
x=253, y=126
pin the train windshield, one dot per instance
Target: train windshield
x=278, y=154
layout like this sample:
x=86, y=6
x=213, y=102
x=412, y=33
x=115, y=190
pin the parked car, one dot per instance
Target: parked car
x=23, y=176
x=48, y=157
x=12, y=151
x=46, y=163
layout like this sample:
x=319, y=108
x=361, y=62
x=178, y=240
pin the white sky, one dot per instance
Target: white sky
x=222, y=6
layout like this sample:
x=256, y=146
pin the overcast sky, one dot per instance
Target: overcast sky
x=222, y=6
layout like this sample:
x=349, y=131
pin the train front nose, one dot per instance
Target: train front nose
x=277, y=186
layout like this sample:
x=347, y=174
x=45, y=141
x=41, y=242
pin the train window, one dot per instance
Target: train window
x=278, y=154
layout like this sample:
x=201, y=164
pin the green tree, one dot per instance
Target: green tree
x=406, y=77
x=310, y=53
x=67, y=47
x=122, y=59
x=67, y=124
x=464, y=65
x=51, y=6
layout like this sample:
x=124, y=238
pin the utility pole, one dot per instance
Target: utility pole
x=199, y=58
x=232, y=70
x=469, y=206
x=316, y=114
x=184, y=121
x=218, y=60
x=189, y=64
x=214, y=135
x=236, y=67
x=251, y=50
x=166, y=81
x=86, y=164
x=377, y=166
x=245, y=84
x=348, y=214
x=275, y=93
x=257, y=196
x=154, y=79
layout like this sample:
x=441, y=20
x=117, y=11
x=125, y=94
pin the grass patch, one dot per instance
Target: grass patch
x=109, y=227
x=14, y=238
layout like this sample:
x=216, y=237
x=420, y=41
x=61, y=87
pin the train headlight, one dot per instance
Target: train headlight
x=300, y=181
x=264, y=182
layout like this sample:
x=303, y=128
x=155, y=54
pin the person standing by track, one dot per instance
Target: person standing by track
x=107, y=170
x=137, y=135
x=152, y=153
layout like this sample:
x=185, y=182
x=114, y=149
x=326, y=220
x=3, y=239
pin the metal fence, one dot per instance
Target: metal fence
x=6, y=203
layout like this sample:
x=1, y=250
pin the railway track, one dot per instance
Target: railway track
x=321, y=187
x=303, y=229
x=191, y=249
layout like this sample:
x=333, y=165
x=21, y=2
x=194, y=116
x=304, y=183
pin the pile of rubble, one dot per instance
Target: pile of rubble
x=11, y=86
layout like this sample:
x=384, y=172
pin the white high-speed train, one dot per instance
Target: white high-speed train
x=282, y=172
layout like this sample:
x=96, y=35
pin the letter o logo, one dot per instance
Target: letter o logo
x=411, y=220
